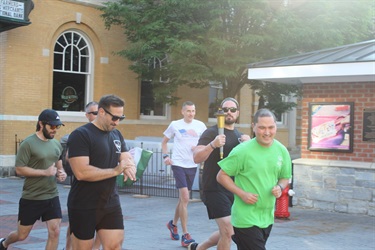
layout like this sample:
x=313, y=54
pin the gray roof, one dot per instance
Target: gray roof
x=349, y=63
x=357, y=52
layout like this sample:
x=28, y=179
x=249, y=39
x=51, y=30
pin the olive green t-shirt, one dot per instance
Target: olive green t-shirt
x=38, y=154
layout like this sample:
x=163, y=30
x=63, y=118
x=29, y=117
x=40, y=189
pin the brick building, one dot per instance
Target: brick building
x=63, y=57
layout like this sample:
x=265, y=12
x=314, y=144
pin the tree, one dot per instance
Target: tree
x=214, y=40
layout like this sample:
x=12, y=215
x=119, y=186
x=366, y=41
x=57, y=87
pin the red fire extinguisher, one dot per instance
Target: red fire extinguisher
x=282, y=204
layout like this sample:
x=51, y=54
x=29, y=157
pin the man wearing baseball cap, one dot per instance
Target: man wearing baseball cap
x=39, y=161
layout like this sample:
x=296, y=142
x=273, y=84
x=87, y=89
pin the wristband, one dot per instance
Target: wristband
x=212, y=146
x=165, y=156
x=281, y=187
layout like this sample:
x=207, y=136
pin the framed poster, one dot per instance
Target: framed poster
x=331, y=126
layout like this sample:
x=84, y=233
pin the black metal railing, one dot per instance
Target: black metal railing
x=17, y=143
x=157, y=179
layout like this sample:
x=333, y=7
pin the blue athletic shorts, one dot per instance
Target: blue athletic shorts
x=184, y=176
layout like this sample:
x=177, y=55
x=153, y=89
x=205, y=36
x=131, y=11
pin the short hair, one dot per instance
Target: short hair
x=88, y=105
x=263, y=113
x=111, y=100
x=188, y=103
x=230, y=99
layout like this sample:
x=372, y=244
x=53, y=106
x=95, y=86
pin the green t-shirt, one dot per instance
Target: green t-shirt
x=38, y=154
x=256, y=169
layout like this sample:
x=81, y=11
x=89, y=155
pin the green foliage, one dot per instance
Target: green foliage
x=214, y=40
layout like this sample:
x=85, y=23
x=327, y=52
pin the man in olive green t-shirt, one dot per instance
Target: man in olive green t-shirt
x=39, y=161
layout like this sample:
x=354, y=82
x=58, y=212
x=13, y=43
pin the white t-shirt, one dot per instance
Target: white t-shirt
x=186, y=136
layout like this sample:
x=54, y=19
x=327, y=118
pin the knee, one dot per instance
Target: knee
x=54, y=232
x=185, y=200
x=22, y=237
x=228, y=231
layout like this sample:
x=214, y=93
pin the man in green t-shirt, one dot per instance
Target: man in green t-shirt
x=261, y=169
x=39, y=161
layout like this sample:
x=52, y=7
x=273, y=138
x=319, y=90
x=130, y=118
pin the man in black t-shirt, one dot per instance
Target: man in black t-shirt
x=97, y=156
x=217, y=199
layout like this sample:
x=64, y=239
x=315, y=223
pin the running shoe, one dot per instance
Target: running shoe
x=186, y=240
x=1, y=244
x=173, y=230
x=193, y=246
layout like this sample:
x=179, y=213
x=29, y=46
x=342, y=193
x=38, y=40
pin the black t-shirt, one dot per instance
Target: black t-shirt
x=104, y=150
x=211, y=168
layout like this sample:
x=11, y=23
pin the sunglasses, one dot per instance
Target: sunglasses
x=54, y=126
x=232, y=110
x=93, y=113
x=114, y=117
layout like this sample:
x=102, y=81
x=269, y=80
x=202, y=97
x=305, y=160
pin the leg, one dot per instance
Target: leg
x=181, y=209
x=53, y=227
x=111, y=238
x=68, y=244
x=19, y=235
x=97, y=242
x=82, y=228
x=226, y=232
x=210, y=242
x=78, y=244
x=218, y=206
x=110, y=229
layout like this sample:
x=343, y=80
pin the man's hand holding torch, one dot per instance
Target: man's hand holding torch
x=220, y=115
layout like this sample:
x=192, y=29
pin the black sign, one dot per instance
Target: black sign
x=368, y=125
x=14, y=13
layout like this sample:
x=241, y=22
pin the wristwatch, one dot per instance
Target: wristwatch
x=165, y=156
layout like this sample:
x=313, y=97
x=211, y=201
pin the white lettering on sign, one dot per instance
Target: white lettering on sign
x=12, y=9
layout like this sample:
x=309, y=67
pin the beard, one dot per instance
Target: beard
x=229, y=121
x=46, y=134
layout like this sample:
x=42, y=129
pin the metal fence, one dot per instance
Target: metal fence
x=157, y=179
x=17, y=143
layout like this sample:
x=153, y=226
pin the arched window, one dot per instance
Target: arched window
x=71, y=72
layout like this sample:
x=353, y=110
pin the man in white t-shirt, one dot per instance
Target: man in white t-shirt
x=186, y=133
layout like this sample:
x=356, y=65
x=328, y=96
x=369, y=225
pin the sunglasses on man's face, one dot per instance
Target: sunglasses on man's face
x=114, y=117
x=53, y=127
x=93, y=113
x=232, y=110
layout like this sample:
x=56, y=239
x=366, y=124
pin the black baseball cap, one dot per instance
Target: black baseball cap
x=51, y=117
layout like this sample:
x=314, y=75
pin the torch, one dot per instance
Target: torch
x=220, y=115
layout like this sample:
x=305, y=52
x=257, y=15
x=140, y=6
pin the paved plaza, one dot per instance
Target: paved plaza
x=145, y=220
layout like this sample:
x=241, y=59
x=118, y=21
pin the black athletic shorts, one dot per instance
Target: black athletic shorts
x=83, y=223
x=218, y=204
x=252, y=238
x=29, y=211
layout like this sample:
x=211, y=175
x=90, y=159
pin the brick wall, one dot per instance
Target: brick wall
x=363, y=96
x=336, y=181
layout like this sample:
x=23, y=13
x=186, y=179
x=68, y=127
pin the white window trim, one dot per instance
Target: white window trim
x=74, y=116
